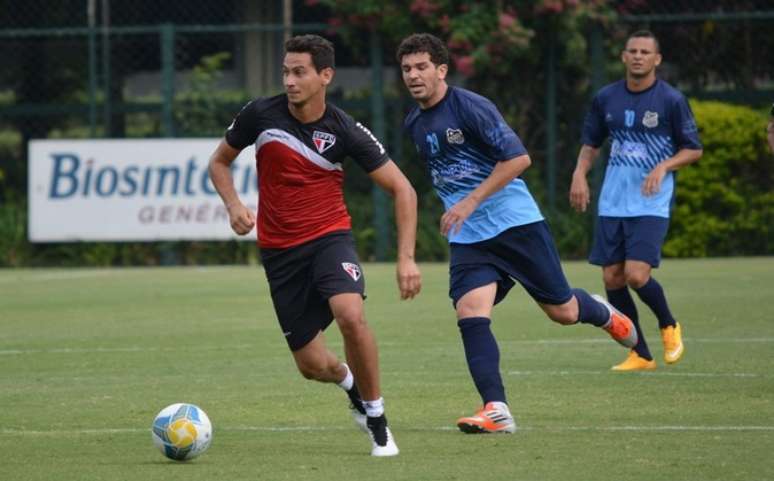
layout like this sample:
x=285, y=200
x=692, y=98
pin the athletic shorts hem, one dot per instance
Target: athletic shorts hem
x=298, y=342
x=327, y=296
x=551, y=302
x=595, y=261
x=462, y=290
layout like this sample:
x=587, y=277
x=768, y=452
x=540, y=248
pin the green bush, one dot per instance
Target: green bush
x=13, y=234
x=725, y=203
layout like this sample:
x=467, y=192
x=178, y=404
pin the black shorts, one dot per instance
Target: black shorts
x=302, y=279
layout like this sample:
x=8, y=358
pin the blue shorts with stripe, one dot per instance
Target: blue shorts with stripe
x=618, y=239
x=524, y=253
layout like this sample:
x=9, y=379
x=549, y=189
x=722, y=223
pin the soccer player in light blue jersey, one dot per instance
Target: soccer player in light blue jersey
x=653, y=133
x=496, y=232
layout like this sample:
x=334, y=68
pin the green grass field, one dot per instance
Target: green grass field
x=87, y=358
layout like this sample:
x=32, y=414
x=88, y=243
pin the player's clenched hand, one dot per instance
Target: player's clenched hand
x=652, y=183
x=241, y=218
x=456, y=215
x=409, y=278
x=579, y=193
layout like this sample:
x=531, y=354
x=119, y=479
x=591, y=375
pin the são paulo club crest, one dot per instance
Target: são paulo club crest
x=352, y=269
x=323, y=140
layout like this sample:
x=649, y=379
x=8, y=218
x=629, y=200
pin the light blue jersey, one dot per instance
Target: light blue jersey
x=645, y=129
x=461, y=139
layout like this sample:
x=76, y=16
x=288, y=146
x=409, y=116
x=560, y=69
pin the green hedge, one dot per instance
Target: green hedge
x=725, y=202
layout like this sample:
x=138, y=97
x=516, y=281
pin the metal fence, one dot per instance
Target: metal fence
x=101, y=68
x=113, y=79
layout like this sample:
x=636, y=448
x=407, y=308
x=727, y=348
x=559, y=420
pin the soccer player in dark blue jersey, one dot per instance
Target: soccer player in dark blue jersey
x=653, y=134
x=496, y=232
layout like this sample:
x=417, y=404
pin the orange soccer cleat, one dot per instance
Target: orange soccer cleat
x=495, y=417
x=620, y=327
x=634, y=362
x=672, y=337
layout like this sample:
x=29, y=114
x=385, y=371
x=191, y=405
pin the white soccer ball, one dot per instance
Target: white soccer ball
x=182, y=431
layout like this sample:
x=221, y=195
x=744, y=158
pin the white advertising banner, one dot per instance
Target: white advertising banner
x=131, y=190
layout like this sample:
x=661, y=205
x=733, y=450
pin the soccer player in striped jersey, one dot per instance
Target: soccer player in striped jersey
x=496, y=232
x=653, y=134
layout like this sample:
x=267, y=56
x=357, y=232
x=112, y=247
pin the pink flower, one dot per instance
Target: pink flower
x=506, y=21
x=550, y=7
x=445, y=23
x=423, y=8
x=464, y=65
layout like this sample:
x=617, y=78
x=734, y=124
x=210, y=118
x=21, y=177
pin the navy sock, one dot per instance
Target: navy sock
x=622, y=300
x=653, y=295
x=483, y=357
x=589, y=310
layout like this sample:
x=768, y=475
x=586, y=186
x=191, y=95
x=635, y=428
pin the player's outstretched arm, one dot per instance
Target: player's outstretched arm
x=580, y=195
x=390, y=179
x=241, y=218
x=504, y=172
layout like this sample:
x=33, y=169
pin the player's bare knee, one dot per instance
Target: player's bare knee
x=565, y=320
x=351, y=324
x=636, y=279
x=471, y=309
x=313, y=372
x=564, y=317
x=614, y=278
x=564, y=314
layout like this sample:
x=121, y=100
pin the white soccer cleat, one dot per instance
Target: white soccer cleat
x=382, y=442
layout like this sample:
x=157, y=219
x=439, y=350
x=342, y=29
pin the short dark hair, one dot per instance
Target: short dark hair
x=321, y=50
x=424, y=43
x=644, y=34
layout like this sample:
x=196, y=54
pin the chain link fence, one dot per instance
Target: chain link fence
x=109, y=68
x=718, y=49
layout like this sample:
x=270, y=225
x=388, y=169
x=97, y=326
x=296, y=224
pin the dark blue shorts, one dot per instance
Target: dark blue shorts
x=618, y=239
x=302, y=279
x=524, y=253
